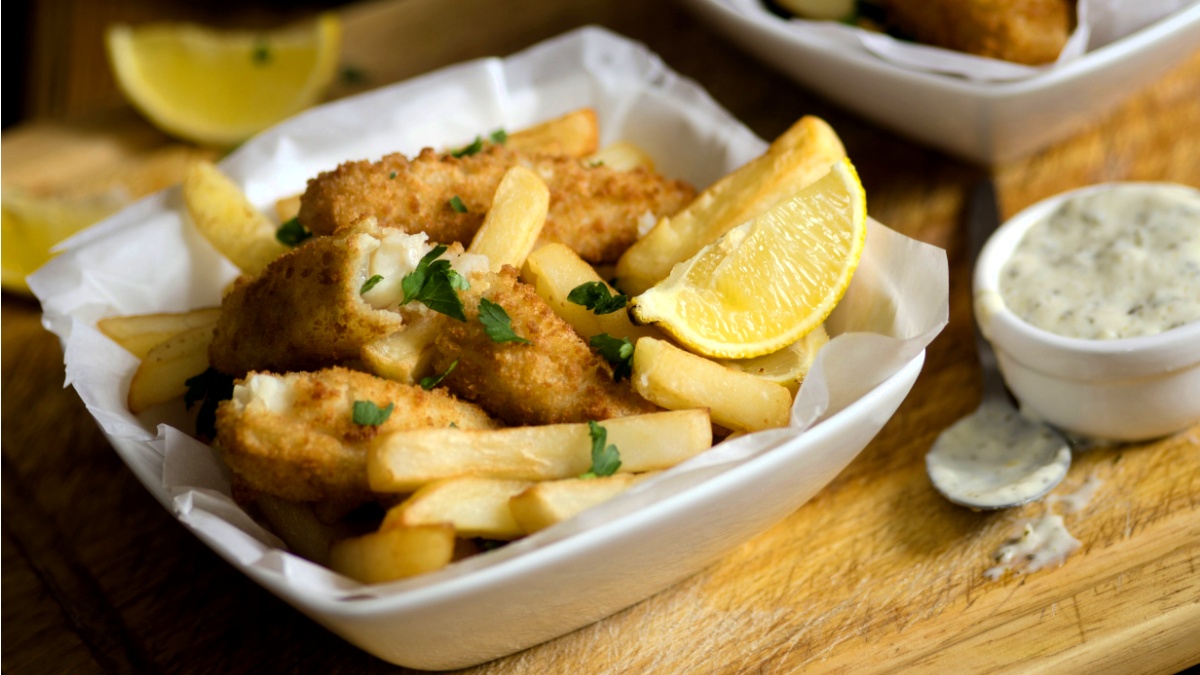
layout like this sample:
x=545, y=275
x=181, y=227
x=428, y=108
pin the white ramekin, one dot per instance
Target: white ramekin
x=1122, y=390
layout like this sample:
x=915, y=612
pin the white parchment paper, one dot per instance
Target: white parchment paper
x=148, y=258
x=1099, y=22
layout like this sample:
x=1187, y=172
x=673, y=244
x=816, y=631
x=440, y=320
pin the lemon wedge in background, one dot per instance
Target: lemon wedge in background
x=221, y=87
x=34, y=224
x=768, y=282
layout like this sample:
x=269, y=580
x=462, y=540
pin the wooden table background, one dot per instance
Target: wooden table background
x=876, y=573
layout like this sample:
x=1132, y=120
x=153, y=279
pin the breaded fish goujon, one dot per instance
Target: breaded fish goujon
x=1024, y=31
x=555, y=378
x=308, y=309
x=296, y=436
x=594, y=209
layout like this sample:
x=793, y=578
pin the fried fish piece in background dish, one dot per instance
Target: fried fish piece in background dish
x=308, y=309
x=557, y=378
x=1023, y=31
x=295, y=436
x=594, y=209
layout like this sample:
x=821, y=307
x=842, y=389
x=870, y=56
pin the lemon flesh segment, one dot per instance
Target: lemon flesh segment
x=221, y=87
x=768, y=282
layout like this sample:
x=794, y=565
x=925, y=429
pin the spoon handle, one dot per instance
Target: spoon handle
x=983, y=217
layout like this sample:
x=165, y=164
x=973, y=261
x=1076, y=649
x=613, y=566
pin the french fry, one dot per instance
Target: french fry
x=515, y=220
x=142, y=332
x=476, y=507
x=393, y=554
x=162, y=375
x=405, y=461
x=287, y=208
x=554, y=271
x=798, y=157
x=576, y=133
x=228, y=220
x=621, y=156
x=298, y=526
x=404, y=356
x=547, y=503
x=676, y=379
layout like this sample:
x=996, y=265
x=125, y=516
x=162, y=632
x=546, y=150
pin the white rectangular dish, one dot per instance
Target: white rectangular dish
x=985, y=122
x=148, y=258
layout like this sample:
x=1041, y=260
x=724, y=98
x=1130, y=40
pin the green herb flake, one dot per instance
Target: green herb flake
x=292, y=233
x=370, y=283
x=208, y=388
x=595, y=296
x=618, y=353
x=432, y=381
x=368, y=414
x=353, y=75
x=499, y=137
x=433, y=283
x=497, y=323
x=606, y=459
x=261, y=54
x=467, y=151
x=392, y=176
x=457, y=204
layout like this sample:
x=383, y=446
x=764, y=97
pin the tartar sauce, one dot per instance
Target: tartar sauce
x=1114, y=263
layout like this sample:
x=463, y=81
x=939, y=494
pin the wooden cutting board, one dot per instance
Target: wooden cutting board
x=875, y=574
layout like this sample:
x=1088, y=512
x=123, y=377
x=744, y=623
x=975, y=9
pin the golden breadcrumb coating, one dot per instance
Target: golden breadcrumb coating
x=294, y=436
x=1023, y=31
x=556, y=379
x=594, y=210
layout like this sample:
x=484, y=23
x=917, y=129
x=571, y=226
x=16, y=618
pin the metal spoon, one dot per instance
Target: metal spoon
x=994, y=458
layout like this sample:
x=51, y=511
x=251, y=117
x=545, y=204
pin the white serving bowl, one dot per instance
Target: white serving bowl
x=578, y=571
x=1129, y=389
x=985, y=122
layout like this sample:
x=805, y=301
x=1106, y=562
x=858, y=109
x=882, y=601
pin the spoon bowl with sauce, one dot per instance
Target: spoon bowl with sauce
x=994, y=458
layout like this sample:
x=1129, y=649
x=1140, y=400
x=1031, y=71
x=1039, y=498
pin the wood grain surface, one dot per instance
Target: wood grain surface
x=875, y=574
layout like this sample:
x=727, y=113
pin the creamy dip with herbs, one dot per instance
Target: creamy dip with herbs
x=1110, y=264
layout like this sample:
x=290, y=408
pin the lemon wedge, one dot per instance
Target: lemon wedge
x=770, y=281
x=222, y=87
x=789, y=365
x=32, y=225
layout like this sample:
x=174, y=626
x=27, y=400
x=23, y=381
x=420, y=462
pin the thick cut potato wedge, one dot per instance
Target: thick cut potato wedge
x=407, y=460
x=393, y=554
x=515, y=220
x=800, y=156
x=576, y=133
x=406, y=355
x=621, y=156
x=143, y=332
x=298, y=526
x=550, y=502
x=476, y=507
x=228, y=220
x=554, y=271
x=676, y=379
x=163, y=374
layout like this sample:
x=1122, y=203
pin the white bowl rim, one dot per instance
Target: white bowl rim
x=1180, y=20
x=1079, y=358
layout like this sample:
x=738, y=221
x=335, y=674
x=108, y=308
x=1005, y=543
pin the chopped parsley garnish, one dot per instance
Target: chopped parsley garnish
x=292, y=233
x=392, y=176
x=370, y=283
x=500, y=137
x=497, y=323
x=208, y=388
x=353, y=75
x=606, y=459
x=467, y=151
x=433, y=283
x=262, y=53
x=432, y=381
x=457, y=204
x=618, y=353
x=595, y=296
x=368, y=414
